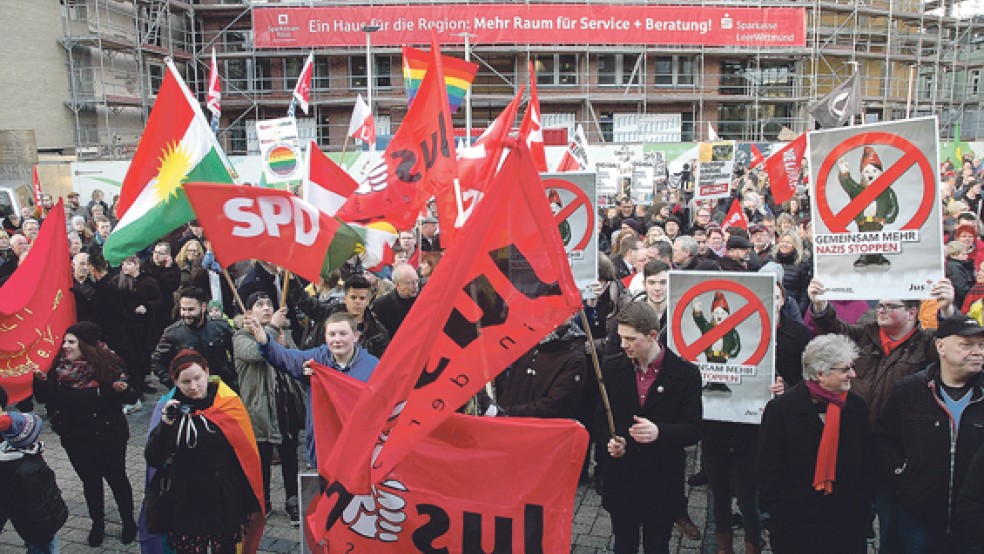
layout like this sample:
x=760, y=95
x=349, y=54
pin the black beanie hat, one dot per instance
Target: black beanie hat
x=86, y=331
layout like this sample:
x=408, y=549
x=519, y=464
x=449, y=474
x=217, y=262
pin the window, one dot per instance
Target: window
x=237, y=137
x=235, y=75
x=607, y=124
x=556, y=69
x=618, y=69
x=733, y=79
x=498, y=79
x=320, y=81
x=262, y=76
x=292, y=69
x=772, y=78
x=674, y=71
x=238, y=41
x=381, y=72
x=156, y=75
x=974, y=81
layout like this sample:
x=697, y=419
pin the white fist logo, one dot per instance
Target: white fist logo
x=378, y=515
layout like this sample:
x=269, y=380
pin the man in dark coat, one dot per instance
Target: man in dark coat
x=656, y=407
x=166, y=273
x=927, y=434
x=212, y=338
x=546, y=381
x=814, y=499
x=392, y=308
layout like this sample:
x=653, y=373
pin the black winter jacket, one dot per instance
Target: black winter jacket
x=212, y=340
x=31, y=497
x=546, y=381
x=918, y=447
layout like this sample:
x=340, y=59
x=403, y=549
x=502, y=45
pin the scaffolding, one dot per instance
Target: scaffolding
x=913, y=56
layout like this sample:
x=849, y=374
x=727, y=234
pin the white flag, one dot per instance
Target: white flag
x=362, y=126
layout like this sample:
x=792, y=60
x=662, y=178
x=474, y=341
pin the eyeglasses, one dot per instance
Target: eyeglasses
x=844, y=369
x=889, y=307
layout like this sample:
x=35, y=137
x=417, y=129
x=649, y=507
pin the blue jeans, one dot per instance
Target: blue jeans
x=50, y=548
x=918, y=538
x=886, y=507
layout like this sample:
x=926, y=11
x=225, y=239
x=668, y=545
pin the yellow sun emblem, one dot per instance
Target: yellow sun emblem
x=175, y=165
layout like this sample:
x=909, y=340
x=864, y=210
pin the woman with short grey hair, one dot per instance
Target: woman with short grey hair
x=814, y=457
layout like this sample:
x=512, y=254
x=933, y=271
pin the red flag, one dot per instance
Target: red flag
x=476, y=166
x=327, y=185
x=362, y=126
x=419, y=161
x=273, y=225
x=36, y=306
x=531, y=130
x=568, y=162
x=37, y=189
x=499, y=289
x=302, y=90
x=783, y=168
x=757, y=157
x=736, y=217
x=214, y=99
x=466, y=465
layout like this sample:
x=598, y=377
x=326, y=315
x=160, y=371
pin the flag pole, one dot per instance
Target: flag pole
x=597, y=370
x=235, y=293
x=283, y=293
x=344, y=148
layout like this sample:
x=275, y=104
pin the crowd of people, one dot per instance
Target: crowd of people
x=876, y=421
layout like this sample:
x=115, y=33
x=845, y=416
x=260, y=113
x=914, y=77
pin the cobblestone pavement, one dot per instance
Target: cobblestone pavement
x=591, y=529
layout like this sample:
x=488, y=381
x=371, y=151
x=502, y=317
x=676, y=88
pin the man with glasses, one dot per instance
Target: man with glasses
x=702, y=218
x=931, y=427
x=893, y=346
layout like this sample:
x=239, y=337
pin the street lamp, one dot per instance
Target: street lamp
x=468, y=111
x=369, y=30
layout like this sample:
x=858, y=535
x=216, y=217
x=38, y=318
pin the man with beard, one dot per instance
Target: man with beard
x=211, y=338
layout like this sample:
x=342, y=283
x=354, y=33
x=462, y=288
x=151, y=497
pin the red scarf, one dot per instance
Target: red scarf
x=826, y=470
x=889, y=344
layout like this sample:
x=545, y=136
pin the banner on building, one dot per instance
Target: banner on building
x=715, y=165
x=876, y=209
x=551, y=24
x=723, y=322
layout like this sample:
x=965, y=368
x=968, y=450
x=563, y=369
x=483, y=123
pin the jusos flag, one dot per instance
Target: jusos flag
x=501, y=286
x=419, y=161
x=36, y=306
x=269, y=224
x=457, y=491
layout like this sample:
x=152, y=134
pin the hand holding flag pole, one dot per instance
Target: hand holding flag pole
x=235, y=293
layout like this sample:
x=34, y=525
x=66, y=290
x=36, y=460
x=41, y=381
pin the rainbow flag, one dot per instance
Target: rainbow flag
x=458, y=75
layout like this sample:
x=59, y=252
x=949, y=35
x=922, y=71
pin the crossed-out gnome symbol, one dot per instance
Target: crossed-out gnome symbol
x=555, y=206
x=874, y=216
x=723, y=349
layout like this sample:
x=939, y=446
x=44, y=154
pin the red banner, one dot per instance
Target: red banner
x=268, y=224
x=549, y=24
x=36, y=306
x=470, y=486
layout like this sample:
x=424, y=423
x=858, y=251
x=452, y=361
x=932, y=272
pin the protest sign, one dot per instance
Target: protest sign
x=715, y=164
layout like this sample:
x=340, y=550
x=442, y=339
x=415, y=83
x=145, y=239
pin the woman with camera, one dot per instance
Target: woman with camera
x=208, y=484
x=85, y=392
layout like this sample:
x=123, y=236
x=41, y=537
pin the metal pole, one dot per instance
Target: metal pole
x=369, y=30
x=468, y=107
x=908, y=97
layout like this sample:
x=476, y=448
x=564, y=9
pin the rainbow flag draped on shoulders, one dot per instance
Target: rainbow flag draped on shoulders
x=458, y=75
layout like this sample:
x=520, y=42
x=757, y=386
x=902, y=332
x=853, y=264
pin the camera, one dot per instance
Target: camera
x=174, y=411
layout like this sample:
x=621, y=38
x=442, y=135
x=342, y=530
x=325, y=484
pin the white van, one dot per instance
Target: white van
x=14, y=195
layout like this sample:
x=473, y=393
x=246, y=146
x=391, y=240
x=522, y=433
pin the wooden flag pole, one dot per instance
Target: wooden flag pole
x=235, y=293
x=344, y=149
x=597, y=370
x=283, y=293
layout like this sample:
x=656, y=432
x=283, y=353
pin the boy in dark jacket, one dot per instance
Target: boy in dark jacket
x=31, y=500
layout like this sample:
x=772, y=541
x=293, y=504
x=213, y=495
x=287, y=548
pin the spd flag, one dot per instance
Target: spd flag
x=504, y=284
x=418, y=162
x=736, y=217
x=457, y=485
x=531, y=129
x=272, y=225
x=36, y=306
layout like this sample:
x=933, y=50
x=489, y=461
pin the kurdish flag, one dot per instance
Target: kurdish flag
x=177, y=146
x=458, y=75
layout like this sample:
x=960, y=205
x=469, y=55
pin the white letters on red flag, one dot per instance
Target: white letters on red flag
x=531, y=130
x=468, y=465
x=783, y=168
x=419, y=161
x=757, y=157
x=362, y=126
x=503, y=284
x=36, y=188
x=302, y=91
x=736, y=217
x=269, y=224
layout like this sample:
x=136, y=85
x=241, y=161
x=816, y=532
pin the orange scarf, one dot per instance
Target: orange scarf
x=826, y=470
